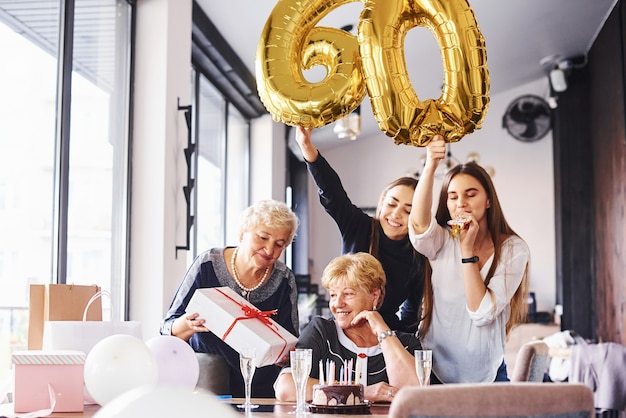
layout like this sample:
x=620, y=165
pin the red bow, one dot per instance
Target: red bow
x=251, y=312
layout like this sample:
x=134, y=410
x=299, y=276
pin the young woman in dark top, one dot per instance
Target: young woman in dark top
x=385, y=235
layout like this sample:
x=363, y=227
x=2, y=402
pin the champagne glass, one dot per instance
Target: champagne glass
x=457, y=225
x=423, y=366
x=301, y=359
x=247, y=364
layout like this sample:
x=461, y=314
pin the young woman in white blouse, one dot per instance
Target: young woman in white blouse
x=478, y=283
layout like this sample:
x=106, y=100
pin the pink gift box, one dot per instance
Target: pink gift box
x=240, y=324
x=44, y=378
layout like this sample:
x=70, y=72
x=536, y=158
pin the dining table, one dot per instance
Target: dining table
x=275, y=408
x=266, y=408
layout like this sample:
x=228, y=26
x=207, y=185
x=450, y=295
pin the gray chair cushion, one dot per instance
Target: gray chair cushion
x=214, y=374
x=514, y=399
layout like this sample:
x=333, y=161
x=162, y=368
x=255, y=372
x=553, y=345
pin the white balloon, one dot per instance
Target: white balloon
x=118, y=364
x=177, y=363
x=166, y=401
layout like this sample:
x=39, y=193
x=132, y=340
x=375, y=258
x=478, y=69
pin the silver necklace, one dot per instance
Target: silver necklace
x=245, y=291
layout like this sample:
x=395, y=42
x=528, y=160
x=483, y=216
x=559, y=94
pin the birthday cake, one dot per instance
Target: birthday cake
x=338, y=395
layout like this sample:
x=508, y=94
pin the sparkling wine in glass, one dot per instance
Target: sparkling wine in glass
x=247, y=364
x=423, y=366
x=301, y=359
x=457, y=225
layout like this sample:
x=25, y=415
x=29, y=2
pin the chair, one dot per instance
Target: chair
x=601, y=368
x=214, y=374
x=531, y=362
x=515, y=399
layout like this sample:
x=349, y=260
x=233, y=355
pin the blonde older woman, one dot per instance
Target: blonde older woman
x=357, y=331
x=251, y=269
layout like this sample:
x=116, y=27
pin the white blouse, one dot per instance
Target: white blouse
x=468, y=346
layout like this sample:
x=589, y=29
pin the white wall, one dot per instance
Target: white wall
x=523, y=178
x=157, y=221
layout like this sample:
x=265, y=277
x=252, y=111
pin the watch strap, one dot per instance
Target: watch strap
x=470, y=260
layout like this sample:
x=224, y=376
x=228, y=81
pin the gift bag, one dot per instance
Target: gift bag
x=59, y=302
x=83, y=335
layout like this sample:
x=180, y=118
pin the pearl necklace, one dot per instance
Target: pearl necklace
x=245, y=291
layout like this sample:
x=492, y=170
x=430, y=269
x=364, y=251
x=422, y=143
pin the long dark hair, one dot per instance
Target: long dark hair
x=419, y=260
x=375, y=235
x=499, y=230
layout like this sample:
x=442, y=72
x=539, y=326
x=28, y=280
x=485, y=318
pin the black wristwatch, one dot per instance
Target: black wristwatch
x=470, y=260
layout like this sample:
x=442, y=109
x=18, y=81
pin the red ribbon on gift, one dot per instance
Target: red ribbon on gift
x=253, y=313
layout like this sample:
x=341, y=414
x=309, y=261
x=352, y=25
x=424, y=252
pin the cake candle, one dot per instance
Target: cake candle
x=350, y=368
x=329, y=378
x=321, y=372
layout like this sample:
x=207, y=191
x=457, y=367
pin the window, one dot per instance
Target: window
x=211, y=167
x=226, y=101
x=221, y=192
x=237, y=174
x=63, y=153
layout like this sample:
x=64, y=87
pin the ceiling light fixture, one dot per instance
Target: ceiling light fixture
x=449, y=162
x=349, y=127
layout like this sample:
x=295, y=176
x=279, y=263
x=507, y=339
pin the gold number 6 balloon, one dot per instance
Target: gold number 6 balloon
x=290, y=42
x=464, y=99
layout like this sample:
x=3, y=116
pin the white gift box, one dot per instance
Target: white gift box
x=240, y=324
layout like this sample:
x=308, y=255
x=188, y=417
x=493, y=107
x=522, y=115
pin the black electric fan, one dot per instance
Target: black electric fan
x=528, y=118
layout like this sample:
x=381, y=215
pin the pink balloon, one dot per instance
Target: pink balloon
x=177, y=363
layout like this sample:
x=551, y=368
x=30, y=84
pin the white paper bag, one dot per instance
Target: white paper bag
x=83, y=335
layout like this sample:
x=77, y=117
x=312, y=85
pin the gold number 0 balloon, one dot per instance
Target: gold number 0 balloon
x=289, y=42
x=464, y=100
